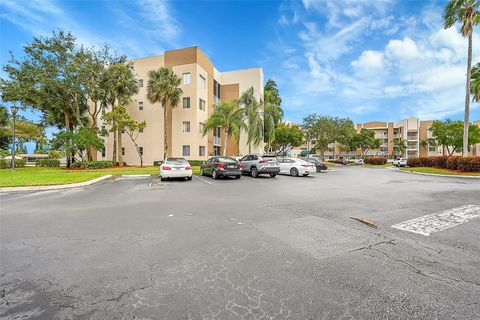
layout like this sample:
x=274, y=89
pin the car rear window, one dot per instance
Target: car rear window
x=176, y=161
x=269, y=157
x=227, y=160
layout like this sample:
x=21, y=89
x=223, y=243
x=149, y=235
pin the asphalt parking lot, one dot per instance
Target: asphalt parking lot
x=266, y=248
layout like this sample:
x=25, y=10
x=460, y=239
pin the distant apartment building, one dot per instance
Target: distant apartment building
x=413, y=130
x=203, y=86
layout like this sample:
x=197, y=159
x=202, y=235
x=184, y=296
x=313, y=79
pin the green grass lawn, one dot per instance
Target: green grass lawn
x=386, y=165
x=32, y=176
x=439, y=171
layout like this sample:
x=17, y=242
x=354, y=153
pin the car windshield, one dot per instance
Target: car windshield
x=227, y=160
x=312, y=160
x=176, y=161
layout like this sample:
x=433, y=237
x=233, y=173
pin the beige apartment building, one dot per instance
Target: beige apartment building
x=203, y=86
x=412, y=129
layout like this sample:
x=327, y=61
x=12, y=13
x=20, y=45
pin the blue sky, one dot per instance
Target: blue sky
x=363, y=59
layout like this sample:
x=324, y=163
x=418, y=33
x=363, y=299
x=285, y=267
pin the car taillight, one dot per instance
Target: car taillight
x=188, y=168
x=263, y=161
x=221, y=166
x=306, y=165
x=166, y=168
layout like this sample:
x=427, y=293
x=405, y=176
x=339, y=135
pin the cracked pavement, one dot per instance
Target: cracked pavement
x=282, y=248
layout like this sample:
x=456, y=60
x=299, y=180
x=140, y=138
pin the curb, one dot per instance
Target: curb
x=136, y=176
x=56, y=186
x=440, y=175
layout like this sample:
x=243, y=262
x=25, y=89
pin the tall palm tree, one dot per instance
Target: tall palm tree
x=228, y=116
x=273, y=112
x=163, y=87
x=466, y=13
x=119, y=84
x=251, y=110
x=399, y=146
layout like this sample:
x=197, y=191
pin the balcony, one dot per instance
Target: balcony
x=414, y=148
x=217, y=140
x=412, y=138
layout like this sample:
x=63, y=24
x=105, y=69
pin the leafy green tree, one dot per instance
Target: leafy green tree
x=450, y=133
x=4, y=135
x=272, y=111
x=163, y=87
x=322, y=130
x=346, y=135
x=119, y=84
x=77, y=141
x=366, y=140
x=399, y=147
x=123, y=121
x=228, y=116
x=288, y=135
x=251, y=109
x=55, y=154
x=466, y=13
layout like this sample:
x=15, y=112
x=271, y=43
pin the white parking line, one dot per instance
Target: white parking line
x=202, y=179
x=439, y=221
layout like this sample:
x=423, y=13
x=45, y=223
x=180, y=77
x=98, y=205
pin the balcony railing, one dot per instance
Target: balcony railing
x=217, y=140
x=412, y=148
x=412, y=137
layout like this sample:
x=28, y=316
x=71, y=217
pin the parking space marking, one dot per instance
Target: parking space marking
x=202, y=179
x=426, y=225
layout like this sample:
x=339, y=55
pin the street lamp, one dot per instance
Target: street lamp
x=14, y=110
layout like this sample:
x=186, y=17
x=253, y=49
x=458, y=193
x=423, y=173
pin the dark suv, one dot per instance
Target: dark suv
x=256, y=165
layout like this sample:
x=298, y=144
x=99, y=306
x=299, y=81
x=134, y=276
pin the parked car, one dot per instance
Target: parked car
x=339, y=161
x=222, y=167
x=175, y=168
x=295, y=167
x=402, y=162
x=256, y=165
x=359, y=161
x=319, y=165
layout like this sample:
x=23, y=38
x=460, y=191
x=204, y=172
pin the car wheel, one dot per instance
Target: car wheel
x=214, y=174
x=306, y=174
x=273, y=175
x=162, y=179
x=254, y=172
x=189, y=178
x=238, y=177
x=201, y=172
x=294, y=172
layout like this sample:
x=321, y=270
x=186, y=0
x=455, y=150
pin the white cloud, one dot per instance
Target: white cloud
x=369, y=59
x=162, y=19
x=402, y=49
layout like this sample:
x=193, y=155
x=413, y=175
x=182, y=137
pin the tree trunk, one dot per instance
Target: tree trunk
x=467, y=99
x=114, y=155
x=67, y=126
x=165, y=140
x=119, y=146
x=249, y=148
x=225, y=145
x=322, y=154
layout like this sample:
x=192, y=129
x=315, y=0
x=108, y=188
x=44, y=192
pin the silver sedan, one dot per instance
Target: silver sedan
x=295, y=167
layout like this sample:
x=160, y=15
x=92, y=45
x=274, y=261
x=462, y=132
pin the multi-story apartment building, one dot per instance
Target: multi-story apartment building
x=413, y=130
x=203, y=86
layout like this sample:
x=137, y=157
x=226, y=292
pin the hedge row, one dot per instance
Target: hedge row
x=192, y=162
x=375, y=161
x=467, y=164
x=7, y=163
x=92, y=164
x=47, y=163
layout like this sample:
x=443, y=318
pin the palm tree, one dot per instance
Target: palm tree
x=399, y=146
x=273, y=113
x=464, y=12
x=119, y=84
x=163, y=87
x=228, y=116
x=251, y=109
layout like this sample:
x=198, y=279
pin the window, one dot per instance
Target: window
x=216, y=91
x=201, y=104
x=140, y=149
x=186, y=126
x=216, y=131
x=432, y=148
x=186, y=102
x=186, y=151
x=201, y=151
x=140, y=105
x=186, y=78
x=140, y=130
x=203, y=82
x=140, y=83
x=200, y=127
x=103, y=152
x=123, y=151
x=216, y=150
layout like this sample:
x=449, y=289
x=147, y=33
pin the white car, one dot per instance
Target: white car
x=402, y=162
x=175, y=168
x=295, y=167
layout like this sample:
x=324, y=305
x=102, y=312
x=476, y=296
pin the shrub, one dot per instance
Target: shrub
x=452, y=163
x=413, y=162
x=7, y=163
x=467, y=164
x=92, y=164
x=376, y=161
x=55, y=154
x=440, y=162
x=47, y=163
